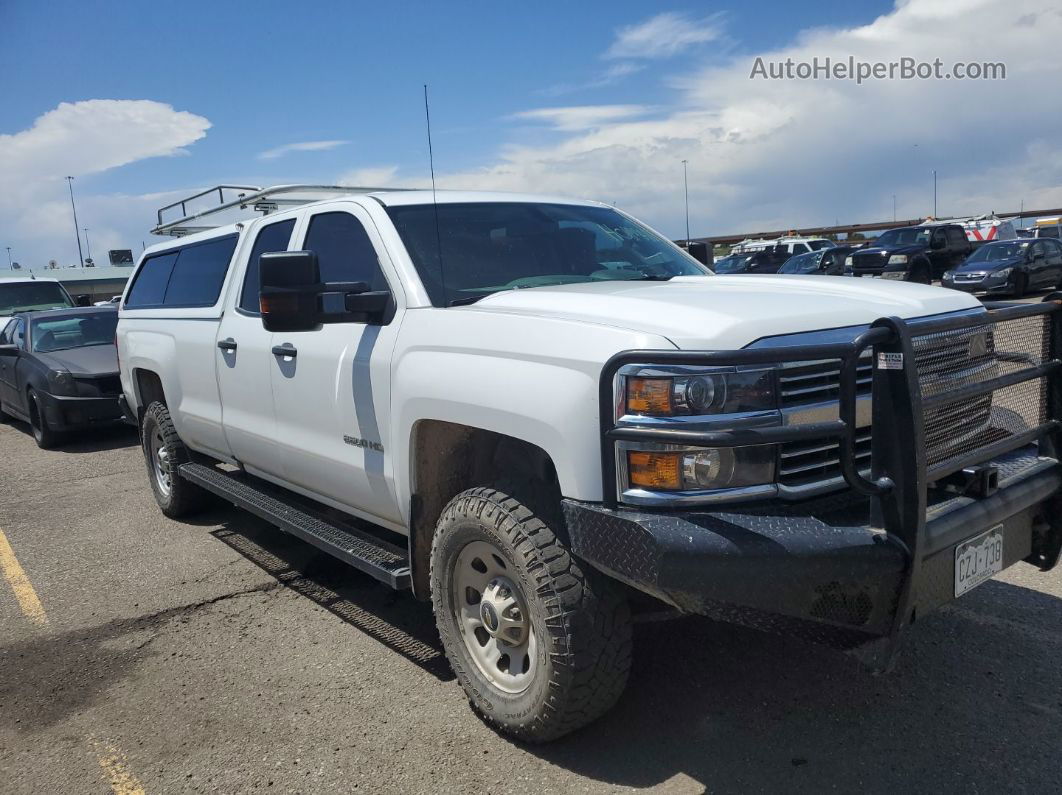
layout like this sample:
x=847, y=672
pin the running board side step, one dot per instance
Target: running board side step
x=373, y=556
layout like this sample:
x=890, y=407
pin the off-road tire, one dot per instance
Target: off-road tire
x=43, y=434
x=581, y=617
x=183, y=498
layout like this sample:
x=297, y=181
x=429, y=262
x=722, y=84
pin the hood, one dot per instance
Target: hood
x=729, y=312
x=905, y=249
x=988, y=266
x=90, y=360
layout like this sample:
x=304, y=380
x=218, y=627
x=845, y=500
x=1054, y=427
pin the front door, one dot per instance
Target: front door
x=245, y=365
x=13, y=334
x=331, y=386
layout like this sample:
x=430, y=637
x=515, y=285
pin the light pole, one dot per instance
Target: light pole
x=894, y=208
x=686, y=190
x=934, y=193
x=77, y=233
x=88, y=248
x=8, y=256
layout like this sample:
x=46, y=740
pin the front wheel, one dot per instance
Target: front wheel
x=920, y=274
x=1021, y=284
x=43, y=433
x=540, y=645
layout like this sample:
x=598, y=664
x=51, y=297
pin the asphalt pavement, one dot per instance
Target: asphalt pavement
x=139, y=654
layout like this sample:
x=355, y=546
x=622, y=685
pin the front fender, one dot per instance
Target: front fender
x=527, y=377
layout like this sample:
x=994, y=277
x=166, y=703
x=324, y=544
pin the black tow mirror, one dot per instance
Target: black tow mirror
x=8, y=350
x=293, y=298
x=289, y=286
x=83, y=300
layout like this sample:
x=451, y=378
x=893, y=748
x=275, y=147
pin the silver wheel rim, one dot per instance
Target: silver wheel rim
x=160, y=463
x=492, y=617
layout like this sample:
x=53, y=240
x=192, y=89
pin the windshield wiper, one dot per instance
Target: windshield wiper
x=468, y=299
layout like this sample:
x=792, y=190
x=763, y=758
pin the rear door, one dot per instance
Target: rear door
x=331, y=386
x=1053, y=270
x=245, y=364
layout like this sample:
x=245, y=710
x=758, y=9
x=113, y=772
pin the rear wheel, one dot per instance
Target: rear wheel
x=164, y=452
x=43, y=434
x=540, y=644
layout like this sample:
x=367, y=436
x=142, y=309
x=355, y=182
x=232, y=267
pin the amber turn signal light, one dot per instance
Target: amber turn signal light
x=654, y=470
x=649, y=395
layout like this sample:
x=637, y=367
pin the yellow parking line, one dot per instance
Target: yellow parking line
x=20, y=584
x=113, y=764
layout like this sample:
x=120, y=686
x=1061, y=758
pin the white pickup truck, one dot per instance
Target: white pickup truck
x=543, y=416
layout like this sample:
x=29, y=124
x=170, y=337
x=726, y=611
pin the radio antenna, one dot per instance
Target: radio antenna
x=434, y=201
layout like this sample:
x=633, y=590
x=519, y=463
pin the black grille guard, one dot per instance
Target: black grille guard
x=899, y=471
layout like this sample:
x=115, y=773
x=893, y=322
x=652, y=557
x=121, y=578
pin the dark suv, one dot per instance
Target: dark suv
x=913, y=253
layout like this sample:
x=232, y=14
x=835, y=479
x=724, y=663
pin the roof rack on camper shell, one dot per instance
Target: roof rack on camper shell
x=263, y=200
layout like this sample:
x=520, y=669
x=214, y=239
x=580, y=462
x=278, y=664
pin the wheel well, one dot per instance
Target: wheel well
x=149, y=387
x=447, y=458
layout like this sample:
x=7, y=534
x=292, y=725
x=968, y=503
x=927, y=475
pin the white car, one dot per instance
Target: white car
x=26, y=294
x=541, y=415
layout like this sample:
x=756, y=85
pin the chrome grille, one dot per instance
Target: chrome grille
x=819, y=382
x=808, y=463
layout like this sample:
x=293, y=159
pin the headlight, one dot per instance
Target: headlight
x=1003, y=274
x=898, y=259
x=699, y=469
x=947, y=275
x=61, y=382
x=697, y=393
x=848, y=262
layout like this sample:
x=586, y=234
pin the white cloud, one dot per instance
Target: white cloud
x=770, y=155
x=608, y=77
x=81, y=139
x=582, y=117
x=665, y=35
x=304, y=146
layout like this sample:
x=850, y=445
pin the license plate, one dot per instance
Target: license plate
x=978, y=559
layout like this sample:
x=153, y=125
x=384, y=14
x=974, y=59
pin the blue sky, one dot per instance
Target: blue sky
x=590, y=98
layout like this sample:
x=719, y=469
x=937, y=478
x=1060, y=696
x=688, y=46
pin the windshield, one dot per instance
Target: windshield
x=904, y=237
x=818, y=245
x=31, y=296
x=483, y=248
x=64, y=333
x=803, y=263
x=997, y=252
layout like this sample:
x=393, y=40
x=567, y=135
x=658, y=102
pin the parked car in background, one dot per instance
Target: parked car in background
x=825, y=262
x=912, y=253
x=791, y=245
x=1009, y=266
x=59, y=371
x=114, y=300
x=767, y=260
x=1048, y=227
x=982, y=228
x=27, y=294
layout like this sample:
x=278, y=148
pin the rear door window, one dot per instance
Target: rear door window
x=274, y=237
x=149, y=288
x=199, y=272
